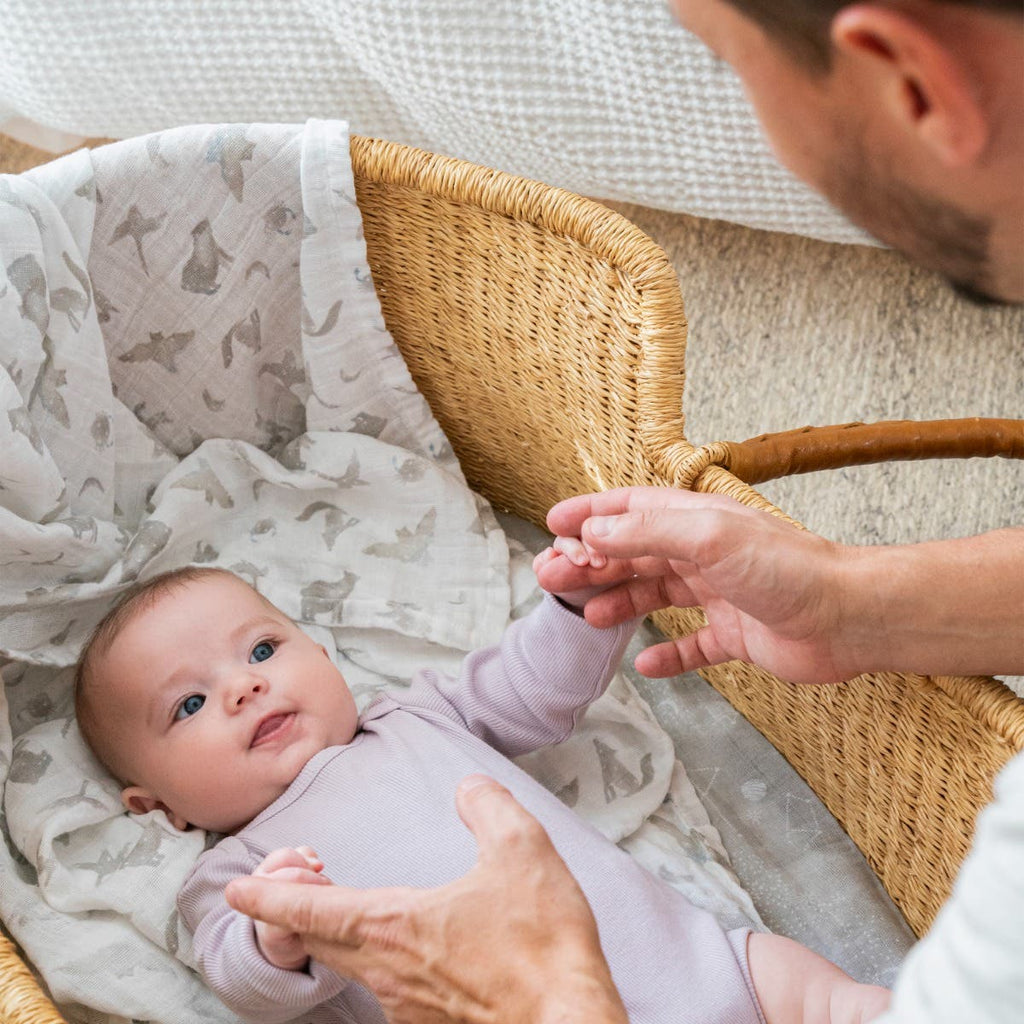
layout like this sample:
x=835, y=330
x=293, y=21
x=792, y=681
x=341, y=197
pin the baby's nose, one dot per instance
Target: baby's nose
x=245, y=690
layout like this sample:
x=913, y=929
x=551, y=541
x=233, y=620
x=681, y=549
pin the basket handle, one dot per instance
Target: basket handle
x=809, y=449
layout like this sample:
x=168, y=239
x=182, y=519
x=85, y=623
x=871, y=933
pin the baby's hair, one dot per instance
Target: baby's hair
x=138, y=598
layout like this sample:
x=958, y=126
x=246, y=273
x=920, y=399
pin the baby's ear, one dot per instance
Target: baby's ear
x=140, y=801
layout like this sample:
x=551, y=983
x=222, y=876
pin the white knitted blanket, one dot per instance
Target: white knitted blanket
x=608, y=98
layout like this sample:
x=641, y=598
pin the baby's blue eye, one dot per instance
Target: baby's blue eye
x=261, y=651
x=189, y=706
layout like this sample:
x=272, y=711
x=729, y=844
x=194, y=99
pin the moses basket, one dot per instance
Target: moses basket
x=548, y=335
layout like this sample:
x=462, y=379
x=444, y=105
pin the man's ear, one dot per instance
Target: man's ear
x=924, y=82
x=140, y=801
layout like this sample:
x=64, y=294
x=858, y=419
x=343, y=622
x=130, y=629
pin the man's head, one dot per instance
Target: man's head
x=907, y=114
x=205, y=700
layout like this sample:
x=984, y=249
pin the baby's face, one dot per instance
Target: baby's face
x=214, y=701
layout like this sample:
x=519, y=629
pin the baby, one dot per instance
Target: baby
x=212, y=706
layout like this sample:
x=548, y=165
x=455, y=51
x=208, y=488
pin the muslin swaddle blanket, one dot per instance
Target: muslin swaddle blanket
x=194, y=369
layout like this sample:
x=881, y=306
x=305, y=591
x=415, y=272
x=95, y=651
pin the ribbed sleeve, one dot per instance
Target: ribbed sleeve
x=529, y=690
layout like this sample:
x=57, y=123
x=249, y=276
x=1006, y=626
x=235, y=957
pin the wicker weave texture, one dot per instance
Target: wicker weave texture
x=21, y=1000
x=546, y=331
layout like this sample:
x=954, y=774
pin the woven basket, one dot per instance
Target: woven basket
x=548, y=335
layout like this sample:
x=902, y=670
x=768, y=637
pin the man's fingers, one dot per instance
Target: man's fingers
x=636, y=598
x=699, y=536
x=331, y=913
x=499, y=822
x=568, y=516
x=698, y=650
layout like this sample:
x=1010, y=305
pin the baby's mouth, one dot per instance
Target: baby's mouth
x=271, y=727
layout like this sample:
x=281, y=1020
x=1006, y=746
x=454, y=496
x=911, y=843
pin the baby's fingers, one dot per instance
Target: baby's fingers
x=560, y=575
x=296, y=874
x=312, y=860
x=542, y=559
x=579, y=553
x=287, y=857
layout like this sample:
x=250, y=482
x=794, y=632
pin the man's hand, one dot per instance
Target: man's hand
x=769, y=590
x=806, y=609
x=513, y=940
x=300, y=865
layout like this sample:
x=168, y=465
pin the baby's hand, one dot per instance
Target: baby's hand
x=283, y=948
x=570, y=557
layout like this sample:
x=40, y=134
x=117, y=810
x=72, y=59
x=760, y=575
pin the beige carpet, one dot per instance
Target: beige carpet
x=16, y=157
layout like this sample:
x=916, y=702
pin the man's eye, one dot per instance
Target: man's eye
x=261, y=651
x=189, y=706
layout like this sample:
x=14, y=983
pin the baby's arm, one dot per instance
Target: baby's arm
x=529, y=690
x=280, y=947
x=796, y=986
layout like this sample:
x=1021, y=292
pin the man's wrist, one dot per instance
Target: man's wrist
x=940, y=607
x=575, y=984
x=862, y=637
x=589, y=1003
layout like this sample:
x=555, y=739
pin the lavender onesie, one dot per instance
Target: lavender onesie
x=380, y=811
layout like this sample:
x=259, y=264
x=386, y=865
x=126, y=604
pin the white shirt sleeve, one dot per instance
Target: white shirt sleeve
x=970, y=965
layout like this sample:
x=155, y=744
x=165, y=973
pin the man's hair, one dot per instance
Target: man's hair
x=802, y=26
x=137, y=599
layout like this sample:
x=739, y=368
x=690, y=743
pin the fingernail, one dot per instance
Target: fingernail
x=602, y=526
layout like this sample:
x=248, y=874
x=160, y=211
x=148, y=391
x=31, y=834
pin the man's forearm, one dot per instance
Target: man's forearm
x=942, y=607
